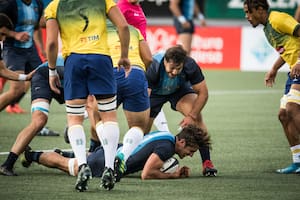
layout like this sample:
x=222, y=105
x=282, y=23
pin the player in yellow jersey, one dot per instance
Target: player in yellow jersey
x=283, y=33
x=88, y=71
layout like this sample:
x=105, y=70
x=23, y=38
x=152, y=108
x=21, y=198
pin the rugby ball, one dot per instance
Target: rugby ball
x=170, y=165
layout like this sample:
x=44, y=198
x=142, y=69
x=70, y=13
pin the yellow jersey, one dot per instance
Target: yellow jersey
x=279, y=32
x=134, y=45
x=82, y=25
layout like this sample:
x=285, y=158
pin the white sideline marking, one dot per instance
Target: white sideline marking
x=48, y=150
x=263, y=91
x=212, y=92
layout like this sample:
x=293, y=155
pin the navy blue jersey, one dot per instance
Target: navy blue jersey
x=161, y=84
x=160, y=143
x=25, y=17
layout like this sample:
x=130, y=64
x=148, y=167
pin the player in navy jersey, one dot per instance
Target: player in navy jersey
x=41, y=97
x=149, y=156
x=176, y=78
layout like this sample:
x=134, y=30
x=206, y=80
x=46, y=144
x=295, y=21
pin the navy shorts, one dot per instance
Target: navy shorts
x=87, y=74
x=289, y=83
x=21, y=59
x=132, y=91
x=180, y=29
x=40, y=87
x=157, y=101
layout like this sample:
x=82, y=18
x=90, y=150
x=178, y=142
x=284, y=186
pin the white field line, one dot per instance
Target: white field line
x=212, y=92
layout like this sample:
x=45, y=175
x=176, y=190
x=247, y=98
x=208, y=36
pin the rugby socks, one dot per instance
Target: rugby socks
x=160, y=122
x=131, y=140
x=78, y=143
x=296, y=154
x=10, y=161
x=109, y=134
x=204, y=153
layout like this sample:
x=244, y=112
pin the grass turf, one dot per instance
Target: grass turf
x=248, y=146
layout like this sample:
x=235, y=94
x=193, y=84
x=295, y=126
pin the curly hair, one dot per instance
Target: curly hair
x=176, y=53
x=5, y=21
x=256, y=4
x=194, y=137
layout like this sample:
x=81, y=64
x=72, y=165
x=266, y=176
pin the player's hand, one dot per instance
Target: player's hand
x=22, y=36
x=30, y=75
x=187, y=120
x=54, y=83
x=295, y=72
x=270, y=78
x=184, y=172
x=125, y=63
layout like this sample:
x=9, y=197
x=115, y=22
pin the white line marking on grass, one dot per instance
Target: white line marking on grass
x=231, y=92
x=47, y=150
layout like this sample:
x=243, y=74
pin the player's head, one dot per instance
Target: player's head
x=174, y=60
x=5, y=25
x=256, y=11
x=190, y=139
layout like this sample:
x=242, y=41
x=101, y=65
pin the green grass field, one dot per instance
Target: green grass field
x=248, y=146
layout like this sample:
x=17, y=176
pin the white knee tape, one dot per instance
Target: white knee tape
x=107, y=105
x=41, y=106
x=71, y=166
x=75, y=109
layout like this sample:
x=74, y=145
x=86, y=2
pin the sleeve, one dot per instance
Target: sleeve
x=109, y=5
x=152, y=74
x=283, y=23
x=193, y=71
x=50, y=11
x=164, y=150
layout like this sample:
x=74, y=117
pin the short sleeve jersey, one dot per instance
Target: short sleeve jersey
x=160, y=143
x=134, y=48
x=279, y=33
x=82, y=25
x=161, y=84
x=187, y=8
x=134, y=15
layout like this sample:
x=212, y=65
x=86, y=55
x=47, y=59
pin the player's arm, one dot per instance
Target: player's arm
x=145, y=53
x=120, y=22
x=202, y=92
x=11, y=75
x=51, y=52
x=271, y=75
x=152, y=169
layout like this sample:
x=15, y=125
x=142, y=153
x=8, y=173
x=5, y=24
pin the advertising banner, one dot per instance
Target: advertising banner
x=216, y=9
x=212, y=48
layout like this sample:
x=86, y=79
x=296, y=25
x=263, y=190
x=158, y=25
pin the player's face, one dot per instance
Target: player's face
x=252, y=16
x=173, y=69
x=186, y=151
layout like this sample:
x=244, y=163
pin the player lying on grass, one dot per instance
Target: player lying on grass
x=149, y=156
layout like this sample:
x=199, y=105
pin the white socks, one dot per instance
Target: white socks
x=160, y=122
x=109, y=134
x=78, y=143
x=131, y=140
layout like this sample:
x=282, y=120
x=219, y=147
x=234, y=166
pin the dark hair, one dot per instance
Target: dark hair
x=177, y=54
x=256, y=4
x=5, y=21
x=194, y=136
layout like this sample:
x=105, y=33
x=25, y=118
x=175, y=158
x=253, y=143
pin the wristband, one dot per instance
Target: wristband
x=52, y=72
x=181, y=19
x=22, y=77
x=201, y=16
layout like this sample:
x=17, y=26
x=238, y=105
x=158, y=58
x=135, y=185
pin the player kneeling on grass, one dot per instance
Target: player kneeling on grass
x=149, y=156
x=41, y=97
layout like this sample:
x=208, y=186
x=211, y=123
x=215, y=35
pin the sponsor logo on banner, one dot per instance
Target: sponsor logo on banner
x=212, y=48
